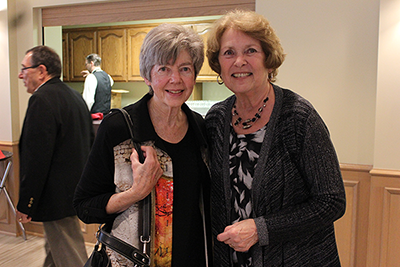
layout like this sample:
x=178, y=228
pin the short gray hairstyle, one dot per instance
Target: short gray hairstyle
x=165, y=42
x=95, y=58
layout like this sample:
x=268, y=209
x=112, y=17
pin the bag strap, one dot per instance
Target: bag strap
x=145, y=237
x=135, y=255
x=129, y=122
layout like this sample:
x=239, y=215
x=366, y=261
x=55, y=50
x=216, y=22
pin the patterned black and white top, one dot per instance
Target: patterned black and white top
x=243, y=156
x=297, y=189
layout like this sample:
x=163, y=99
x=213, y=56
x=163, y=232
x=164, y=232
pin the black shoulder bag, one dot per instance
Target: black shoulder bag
x=99, y=257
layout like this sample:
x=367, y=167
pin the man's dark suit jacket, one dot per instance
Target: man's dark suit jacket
x=55, y=142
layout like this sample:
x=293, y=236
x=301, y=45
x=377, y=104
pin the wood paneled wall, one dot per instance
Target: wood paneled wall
x=352, y=229
x=369, y=232
x=384, y=219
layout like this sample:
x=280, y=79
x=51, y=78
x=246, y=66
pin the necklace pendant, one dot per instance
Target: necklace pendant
x=237, y=121
x=247, y=121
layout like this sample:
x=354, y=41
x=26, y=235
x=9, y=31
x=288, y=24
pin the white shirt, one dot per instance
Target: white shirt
x=89, y=88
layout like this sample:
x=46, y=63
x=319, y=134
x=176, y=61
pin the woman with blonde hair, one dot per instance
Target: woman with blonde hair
x=276, y=186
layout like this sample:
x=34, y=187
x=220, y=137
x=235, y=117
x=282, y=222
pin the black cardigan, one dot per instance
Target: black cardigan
x=297, y=192
x=97, y=182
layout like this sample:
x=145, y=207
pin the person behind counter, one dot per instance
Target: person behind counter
x=276, y=181
x=97, y=86
x=173, y=141
x=56, y=138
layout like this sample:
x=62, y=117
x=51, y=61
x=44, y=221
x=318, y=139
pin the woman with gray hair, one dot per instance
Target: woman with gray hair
x=172, y=139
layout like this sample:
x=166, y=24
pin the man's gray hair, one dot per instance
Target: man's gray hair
x=95, y=58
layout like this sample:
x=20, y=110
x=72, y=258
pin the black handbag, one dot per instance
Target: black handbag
x=99, y=257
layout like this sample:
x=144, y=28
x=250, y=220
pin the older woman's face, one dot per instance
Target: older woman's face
x=173, y=83
x=242, y=63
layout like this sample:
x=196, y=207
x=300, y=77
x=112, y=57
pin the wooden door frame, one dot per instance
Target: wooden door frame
x=106, y=12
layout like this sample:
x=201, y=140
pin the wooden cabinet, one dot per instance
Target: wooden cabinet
x=135, y=40
x=110, y=44
x=119, y=49
x=80, y=44
x=65, y=57
x=111, y=47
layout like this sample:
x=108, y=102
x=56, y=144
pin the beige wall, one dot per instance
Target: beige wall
x=332, y=60
x=5, y=92
x=387, y=133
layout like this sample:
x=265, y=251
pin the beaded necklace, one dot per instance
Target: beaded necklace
x=249, y=122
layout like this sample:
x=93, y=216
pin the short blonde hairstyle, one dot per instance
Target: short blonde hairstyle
x=255, y=26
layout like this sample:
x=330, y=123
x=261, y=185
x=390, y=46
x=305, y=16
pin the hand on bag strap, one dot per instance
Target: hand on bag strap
x=145, y=237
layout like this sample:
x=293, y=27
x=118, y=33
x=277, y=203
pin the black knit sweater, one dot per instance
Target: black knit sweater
x=297, y=192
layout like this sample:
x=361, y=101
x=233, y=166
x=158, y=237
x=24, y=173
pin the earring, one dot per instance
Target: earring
x=220, y=82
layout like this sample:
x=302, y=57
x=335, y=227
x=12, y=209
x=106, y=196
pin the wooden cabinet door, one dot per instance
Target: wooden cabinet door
x=65, y=57
x=81, y=44
x=135, y=40
x=111, y=46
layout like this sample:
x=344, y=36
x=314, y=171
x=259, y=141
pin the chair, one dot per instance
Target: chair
x=7, y=159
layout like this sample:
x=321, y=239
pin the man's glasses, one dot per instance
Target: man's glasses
x=31, y=67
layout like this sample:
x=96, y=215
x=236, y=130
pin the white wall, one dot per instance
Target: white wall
x=53, y=39
x=29, y=34
x=331, y=60
x=5, y=93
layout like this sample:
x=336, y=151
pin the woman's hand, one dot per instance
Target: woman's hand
x=240, y=236
x=145, y=177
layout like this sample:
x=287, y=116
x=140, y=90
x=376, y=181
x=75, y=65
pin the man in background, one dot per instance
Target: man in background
x=55, y=142
x=97, y=87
